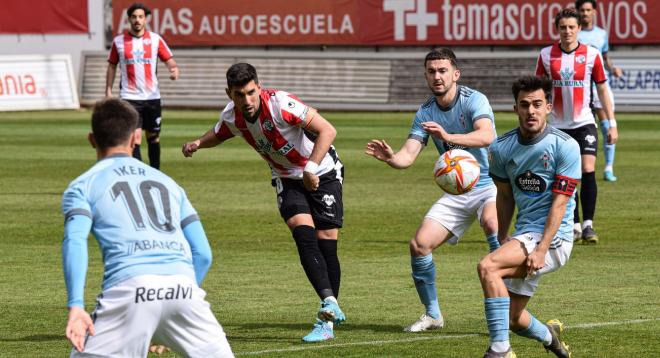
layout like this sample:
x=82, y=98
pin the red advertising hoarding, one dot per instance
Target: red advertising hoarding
x=382, y=22
x=44, y=17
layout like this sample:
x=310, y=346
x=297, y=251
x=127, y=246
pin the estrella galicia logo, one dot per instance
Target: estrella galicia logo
x=268, y=126
x=449, y=146
x=530, y=184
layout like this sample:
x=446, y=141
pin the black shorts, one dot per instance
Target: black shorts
x=587, y=138
x=325, y=205
x=150, y=114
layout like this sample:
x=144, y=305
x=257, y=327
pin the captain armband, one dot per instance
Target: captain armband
x=564, y=185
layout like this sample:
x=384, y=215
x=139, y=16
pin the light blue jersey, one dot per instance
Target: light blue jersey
x=468, y=107
x=596, y=37
x=137, y=215
x=535, y=169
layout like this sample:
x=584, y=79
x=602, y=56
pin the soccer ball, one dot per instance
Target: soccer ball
x=456, y=171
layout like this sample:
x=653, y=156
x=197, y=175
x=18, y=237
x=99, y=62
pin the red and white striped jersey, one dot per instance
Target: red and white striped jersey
x=137, y=58
x=571, y=74
x=277, y=135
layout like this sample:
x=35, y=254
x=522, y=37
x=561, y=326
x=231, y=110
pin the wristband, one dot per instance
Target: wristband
x=311, y=167
x=612, y=123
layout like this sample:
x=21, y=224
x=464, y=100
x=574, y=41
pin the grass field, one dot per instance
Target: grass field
x=608, y=294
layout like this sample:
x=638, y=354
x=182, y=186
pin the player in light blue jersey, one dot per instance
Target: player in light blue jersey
x=536, y=169
x=155, y=252
x=597, y=37
x=453, y=117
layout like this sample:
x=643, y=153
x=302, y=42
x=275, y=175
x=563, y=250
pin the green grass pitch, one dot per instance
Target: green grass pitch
x=608, y=294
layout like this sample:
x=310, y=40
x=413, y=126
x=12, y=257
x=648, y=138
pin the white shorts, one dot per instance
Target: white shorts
x=457, y=212
x=554, y=259
x=167, y=310
x=596, y=101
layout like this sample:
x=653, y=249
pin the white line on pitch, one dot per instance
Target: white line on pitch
x=416, y=339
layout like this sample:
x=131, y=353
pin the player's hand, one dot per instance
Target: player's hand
x=436, y=130
x=78, y=325
x=612, y=135
x=617, y=72
x=174, y=73
x=108, y=93
x=310, y=181
x=158, y=349
x=190, y=148
x=535, y=261
x=380, y=150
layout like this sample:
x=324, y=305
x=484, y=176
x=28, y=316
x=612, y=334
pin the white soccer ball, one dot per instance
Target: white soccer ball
x=456, y=171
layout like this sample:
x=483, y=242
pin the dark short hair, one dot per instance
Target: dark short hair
x=567, y=13
x=138, y=6
x=531, y=84
x=113, y=121
x=442, y=54
x=240, y=74
x=579, y=3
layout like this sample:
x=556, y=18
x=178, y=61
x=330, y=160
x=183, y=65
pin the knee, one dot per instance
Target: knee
x=486, y=267
x=419, y=248
x=489, y=225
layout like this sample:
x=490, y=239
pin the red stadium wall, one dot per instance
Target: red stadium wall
x=382, y=22
x=44, y=17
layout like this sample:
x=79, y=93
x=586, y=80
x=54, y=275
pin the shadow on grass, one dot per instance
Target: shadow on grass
x=36, y=338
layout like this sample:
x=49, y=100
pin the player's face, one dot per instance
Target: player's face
x=246, y=98
x=138, y=19
x=532, y=109
x=441, y=76
x=587, y=13
x=568, y=29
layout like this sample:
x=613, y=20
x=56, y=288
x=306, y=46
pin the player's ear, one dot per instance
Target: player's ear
x=135, y=137
x=548, y=107
x=457, y=74
x=90, y=138
x=228, y=93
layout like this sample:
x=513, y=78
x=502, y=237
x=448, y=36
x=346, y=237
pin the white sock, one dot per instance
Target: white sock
x=577, y=227
x=608, y=168
x=500, y=347
x=587, y=223
x=547, y=340
x=331, y=298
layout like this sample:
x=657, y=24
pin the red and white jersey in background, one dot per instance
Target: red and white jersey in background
x=571, y=74
x=138, y=58
x=277, y=135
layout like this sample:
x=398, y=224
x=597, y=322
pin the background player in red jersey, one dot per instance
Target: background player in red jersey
x=137, y=53
x=572, y=67
x=296, y=142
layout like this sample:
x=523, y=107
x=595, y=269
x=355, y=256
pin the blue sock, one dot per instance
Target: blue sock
x=608, y=149
x=423, y=274
x=493, y=243
x=536, y=330
x=497, y=318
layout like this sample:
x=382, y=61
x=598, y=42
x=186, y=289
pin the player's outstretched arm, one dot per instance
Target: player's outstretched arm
x=482, y=135
x=77, y=327
x=200, y=248
x=208, y=140
x=405, y=157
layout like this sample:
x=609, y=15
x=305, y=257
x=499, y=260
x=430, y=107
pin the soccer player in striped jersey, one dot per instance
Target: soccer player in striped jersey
x=296, y=142
x=155, y=252
x=453, y=117
x=536, y=169
x=597, y=37
x=137, y=52
x=572, y=67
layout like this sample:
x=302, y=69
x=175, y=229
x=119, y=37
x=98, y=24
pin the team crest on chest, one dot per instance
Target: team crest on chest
x=267, y=125
x=545, y=158
x=147, y=42
x=580, y=59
